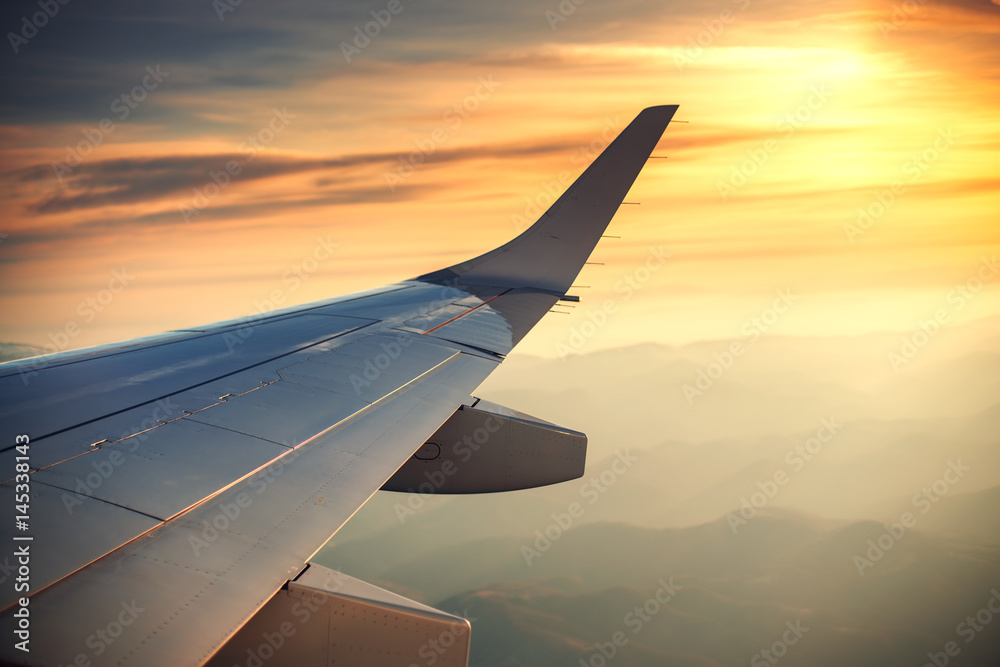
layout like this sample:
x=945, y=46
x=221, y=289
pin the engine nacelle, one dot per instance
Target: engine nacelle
x=485, y=447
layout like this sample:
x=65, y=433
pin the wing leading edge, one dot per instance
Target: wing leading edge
x=216, y=461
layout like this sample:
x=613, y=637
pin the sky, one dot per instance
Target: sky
x=169, y=164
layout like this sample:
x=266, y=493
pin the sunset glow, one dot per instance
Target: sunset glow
x=831, y=150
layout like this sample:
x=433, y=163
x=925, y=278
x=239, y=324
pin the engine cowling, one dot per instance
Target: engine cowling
x=485, y=447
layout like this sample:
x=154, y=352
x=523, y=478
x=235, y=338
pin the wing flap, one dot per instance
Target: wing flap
x=325, y=617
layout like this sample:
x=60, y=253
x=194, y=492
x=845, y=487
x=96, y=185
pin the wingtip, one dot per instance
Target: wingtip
x=549, y=254
x=661, y=113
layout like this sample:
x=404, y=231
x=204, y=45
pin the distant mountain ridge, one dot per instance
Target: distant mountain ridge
x=736, y=592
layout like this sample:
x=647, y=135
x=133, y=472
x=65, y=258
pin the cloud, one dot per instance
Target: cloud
x=355, y=120
x=979, y=6
x=116, y=182
x=121, y=181
x=88, y=54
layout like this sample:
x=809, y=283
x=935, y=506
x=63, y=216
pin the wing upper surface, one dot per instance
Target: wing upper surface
x=201, y=575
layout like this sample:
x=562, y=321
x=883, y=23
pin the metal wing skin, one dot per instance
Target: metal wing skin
x=165, y=492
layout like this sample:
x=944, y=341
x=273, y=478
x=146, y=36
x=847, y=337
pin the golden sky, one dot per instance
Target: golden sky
x=845, y=153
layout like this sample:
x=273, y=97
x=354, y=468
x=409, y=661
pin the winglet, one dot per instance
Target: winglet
x=549, y=255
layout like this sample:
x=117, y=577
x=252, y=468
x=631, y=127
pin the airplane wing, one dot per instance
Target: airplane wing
x=165, y=495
